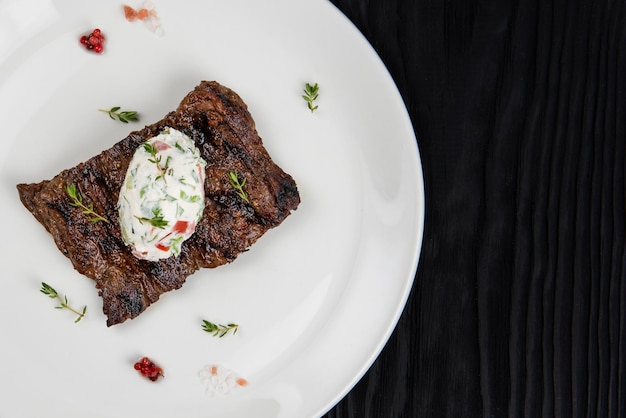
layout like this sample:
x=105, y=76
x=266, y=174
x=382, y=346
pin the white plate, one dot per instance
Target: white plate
x=315, y=298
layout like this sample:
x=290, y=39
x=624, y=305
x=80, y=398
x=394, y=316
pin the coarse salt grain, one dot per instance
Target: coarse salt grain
x=147, y=14
x=220, y=381
x=152, y=22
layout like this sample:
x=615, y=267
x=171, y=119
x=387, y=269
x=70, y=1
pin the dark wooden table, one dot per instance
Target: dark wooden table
x=519, y=304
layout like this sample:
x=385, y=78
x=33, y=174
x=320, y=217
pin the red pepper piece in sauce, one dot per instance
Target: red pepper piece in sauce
x=180, y=227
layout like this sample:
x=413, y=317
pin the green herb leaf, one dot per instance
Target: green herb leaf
x=311, y=93
x=219, y=330
x=77, y=201
x=48, y=290
x=238, y=185
x=190, y=198
x=124, y=116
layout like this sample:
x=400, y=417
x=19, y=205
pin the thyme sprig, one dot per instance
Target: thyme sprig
x=157, y=220
x=233, y=176
x=219, y=330
x=156, y=160
x=77, y=201
x=311, y=93
x=124, y=116
x=48, y=290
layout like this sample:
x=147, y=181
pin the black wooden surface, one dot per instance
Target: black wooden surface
x=519, y=305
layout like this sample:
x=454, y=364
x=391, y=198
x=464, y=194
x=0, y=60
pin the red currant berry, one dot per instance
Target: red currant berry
x=94, y=41
x=148, y=369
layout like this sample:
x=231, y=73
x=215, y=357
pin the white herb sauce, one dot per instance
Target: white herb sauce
x=162, y=197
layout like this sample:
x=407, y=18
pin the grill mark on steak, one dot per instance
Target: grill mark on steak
x=218, y=121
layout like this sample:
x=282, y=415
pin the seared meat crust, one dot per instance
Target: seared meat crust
x=218, y=121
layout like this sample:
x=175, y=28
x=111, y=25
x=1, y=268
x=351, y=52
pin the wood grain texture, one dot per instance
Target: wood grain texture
x=519, y=305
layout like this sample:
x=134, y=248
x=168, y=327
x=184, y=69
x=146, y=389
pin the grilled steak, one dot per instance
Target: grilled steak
x=223, y=130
